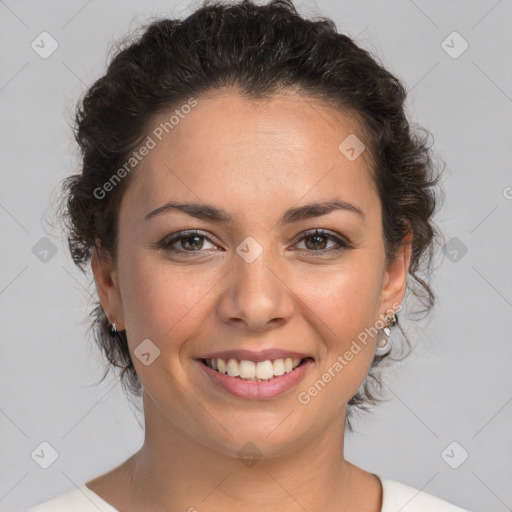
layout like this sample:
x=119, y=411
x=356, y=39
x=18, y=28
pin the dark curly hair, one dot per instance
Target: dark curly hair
x=261, y=50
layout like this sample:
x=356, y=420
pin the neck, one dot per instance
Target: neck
x=173, y=468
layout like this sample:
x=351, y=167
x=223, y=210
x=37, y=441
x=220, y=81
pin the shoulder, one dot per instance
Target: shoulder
x=398, y=496
x=79, y=499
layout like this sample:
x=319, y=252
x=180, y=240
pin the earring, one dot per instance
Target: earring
x=113, y=330
x=384, y=344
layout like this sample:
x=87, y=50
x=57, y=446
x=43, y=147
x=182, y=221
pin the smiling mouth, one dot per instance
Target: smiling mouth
x=255, y=371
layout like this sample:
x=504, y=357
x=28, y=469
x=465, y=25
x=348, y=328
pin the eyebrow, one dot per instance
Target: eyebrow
x=213, y=213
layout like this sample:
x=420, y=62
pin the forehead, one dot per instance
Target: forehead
x=246, y=153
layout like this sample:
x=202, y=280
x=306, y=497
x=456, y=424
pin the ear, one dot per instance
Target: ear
x=107, y=285
x=395, y=277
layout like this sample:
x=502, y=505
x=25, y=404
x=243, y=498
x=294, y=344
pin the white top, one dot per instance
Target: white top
x=397, y=497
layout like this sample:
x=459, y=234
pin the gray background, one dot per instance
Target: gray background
x=456, y=386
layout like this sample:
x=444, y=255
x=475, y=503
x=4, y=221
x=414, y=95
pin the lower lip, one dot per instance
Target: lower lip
x=257, y=390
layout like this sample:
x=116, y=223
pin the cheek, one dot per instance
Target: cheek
x=345, y=298
x=160, y=298
x=162, y=303
x=343, y=316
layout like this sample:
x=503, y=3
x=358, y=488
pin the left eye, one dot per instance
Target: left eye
x=318, y=245
x=315, y=241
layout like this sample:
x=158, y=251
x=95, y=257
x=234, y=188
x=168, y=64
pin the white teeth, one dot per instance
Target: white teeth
x=261, y=370
x=247, y=369
x=264, y=369
x=222, y=366
x=233, y=368
x=278, y=366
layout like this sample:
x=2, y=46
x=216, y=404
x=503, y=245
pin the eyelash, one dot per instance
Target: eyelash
x=342, y=244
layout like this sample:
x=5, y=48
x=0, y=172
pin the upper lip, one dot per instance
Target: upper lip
x=249, y=355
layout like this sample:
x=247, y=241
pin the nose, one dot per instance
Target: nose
x=256, y=296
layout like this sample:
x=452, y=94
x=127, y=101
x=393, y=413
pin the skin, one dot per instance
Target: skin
x=254, y=159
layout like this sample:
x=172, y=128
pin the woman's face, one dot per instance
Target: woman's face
x=257, y=281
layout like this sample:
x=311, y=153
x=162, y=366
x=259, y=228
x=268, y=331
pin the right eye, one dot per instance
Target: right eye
x=191, y=241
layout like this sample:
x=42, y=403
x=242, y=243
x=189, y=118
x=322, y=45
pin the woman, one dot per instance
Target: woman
x=254, y=207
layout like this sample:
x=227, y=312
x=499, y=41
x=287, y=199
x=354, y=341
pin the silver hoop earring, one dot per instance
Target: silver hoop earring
x=113, y=330
x=384, y=344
